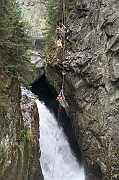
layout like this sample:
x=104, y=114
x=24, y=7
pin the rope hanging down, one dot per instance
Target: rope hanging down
x=63, y=74
x=61, y=99
x=63, y=11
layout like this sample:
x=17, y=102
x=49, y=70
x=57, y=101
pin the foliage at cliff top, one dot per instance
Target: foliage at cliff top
x=57, y=12
x=14, y=41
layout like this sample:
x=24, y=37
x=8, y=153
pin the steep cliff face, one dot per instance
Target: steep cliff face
x=91, y=66
x=31, y=119
x=19, y=147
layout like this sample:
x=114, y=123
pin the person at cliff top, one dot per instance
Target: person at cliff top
x=61, y=32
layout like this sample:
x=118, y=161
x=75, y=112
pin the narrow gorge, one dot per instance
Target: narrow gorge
x=89, y=64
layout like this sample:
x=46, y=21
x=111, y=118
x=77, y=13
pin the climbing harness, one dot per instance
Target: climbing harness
x=61, y=33
x=62, y=100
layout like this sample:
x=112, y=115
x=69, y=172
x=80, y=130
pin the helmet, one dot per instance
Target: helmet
x=59, y=96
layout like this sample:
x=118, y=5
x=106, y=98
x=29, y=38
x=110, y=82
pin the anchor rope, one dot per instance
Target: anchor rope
x=59, y=108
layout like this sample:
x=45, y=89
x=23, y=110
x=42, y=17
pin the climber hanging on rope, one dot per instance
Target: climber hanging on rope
x=62, y=99
x=61, y=35
x=61, y=32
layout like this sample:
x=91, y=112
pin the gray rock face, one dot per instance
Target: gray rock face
x=19, y=146
x=31, y=118
x=39, y=62
x=91, y=67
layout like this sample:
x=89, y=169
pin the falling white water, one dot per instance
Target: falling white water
x=57, y=161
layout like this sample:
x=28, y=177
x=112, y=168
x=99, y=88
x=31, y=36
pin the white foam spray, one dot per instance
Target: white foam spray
x=57, y=160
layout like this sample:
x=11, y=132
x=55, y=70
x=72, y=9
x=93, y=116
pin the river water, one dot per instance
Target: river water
x=57, y=159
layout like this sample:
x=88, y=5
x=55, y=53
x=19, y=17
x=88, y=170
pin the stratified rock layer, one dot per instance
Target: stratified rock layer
x=91, y=66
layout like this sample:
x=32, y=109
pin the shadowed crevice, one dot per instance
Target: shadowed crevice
x=48, y=94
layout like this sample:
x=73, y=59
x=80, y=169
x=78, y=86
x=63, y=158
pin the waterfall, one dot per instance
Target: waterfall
x=57, y=159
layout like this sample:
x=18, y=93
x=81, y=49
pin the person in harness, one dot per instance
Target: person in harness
x=61, y=31
x=62, y=100
x=61, y=34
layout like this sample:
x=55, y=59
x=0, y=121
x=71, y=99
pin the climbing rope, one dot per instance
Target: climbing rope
x=63, y=79
x=59, y=108
x=63, y=22
x=63, y=56
x=63, y=11
x=59, y=118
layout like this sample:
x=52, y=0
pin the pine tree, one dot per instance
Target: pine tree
x=57, y=12
x=14, y=41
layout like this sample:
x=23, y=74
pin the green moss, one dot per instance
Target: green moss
x=108, y=173
x=25, y=134
x=15, y=146
x=5, y=160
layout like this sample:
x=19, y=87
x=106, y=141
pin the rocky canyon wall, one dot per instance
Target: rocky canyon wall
x=91, y=66
x=19, y=145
